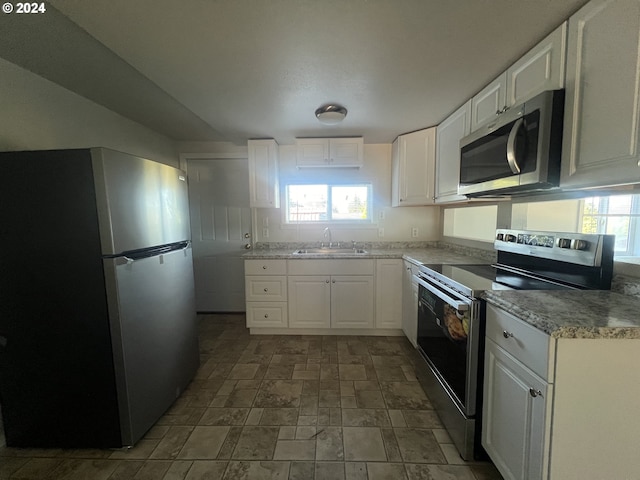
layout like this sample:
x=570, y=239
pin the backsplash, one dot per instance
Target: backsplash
x=626, y=285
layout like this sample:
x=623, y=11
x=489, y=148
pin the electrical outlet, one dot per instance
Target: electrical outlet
x=265, y=233
x=381, y=215
x=414, y=232
x=381, y=232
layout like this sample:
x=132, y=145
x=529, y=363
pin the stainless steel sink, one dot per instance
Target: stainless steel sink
x=330, y=251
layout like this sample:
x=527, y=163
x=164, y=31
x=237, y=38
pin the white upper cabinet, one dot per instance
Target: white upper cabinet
x=489, y=102
x=602, y=106
x=263, y=174
x=413, y=168
x=448, y=136
x=330, y=152
x=540, y=69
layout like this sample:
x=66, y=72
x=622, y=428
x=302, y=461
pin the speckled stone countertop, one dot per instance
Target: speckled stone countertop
x=574, y=313
x=414, y=255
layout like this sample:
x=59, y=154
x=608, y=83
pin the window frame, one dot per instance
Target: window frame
x=602, y=219
x=329, y=221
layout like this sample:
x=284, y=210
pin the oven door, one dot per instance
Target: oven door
x=448, y=338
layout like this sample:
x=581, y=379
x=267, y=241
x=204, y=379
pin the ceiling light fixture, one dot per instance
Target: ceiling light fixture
x=331, y=114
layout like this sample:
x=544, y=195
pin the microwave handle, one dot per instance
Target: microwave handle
x=511, y=146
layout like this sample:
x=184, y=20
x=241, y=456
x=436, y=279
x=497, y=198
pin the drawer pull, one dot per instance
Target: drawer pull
x=506, y=334
x=266, y=289
x=264, y=267
x=535, y=393
x=266, y=315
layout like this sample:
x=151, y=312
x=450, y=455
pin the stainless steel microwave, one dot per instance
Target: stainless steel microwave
x=517, y=153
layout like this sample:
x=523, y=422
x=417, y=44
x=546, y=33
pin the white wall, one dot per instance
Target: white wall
x=552, y=216
x=396, y=222
x=36, y=114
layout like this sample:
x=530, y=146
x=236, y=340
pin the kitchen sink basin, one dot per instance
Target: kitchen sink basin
x=330, y=251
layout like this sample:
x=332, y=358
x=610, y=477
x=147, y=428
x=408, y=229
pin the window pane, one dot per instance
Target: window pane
x=619, y=226
x=349, y=203
x=307, y=203
x=620, y=205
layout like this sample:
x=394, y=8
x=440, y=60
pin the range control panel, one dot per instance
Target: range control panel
x=581, y=248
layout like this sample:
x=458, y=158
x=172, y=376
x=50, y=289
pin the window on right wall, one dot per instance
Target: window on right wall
x=616, y=214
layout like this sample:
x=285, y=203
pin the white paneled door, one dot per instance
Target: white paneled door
x=220, y=230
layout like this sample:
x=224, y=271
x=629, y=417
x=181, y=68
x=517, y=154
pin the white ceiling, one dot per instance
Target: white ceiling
x=238, y=69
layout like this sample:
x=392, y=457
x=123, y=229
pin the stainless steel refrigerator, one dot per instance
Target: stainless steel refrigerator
x=97, y=314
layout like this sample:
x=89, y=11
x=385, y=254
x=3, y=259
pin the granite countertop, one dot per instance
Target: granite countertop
x=574, y=313
x=415, y=255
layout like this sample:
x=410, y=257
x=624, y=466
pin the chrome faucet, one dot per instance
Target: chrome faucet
x=327, y=233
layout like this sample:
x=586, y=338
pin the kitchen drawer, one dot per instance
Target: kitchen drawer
x=266, y=288
x=526, y=343
x=267, y=314
x=347, y=266
x=265, y=267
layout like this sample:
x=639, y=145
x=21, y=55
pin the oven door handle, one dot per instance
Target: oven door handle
x=457, y=304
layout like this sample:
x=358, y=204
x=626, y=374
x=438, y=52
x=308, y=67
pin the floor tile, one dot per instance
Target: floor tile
x=295, y=450
x=279, y=416
x=224, y=416
x=329, y=444
x=230, y=443
x=204, y=443
x=418, y=446
x=169, y=447
x=279, y=393
x=365, y=417
x=279, y=372
x=241, y=398
x=369, y=399
x=205, y=470
x=363, y=444
x=257, y=471
x=438, y=472
x=352, y=372
x=329, y=471
x=301, y=470
x=422, y=418
x=386, y=471
x=256, y=443
x=405, y=395
x=355, y=471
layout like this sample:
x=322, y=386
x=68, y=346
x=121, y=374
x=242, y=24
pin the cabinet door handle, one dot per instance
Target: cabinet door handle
x=506, y=334
x=266, y=315
x=266, y=289
x=326, y=281
x=264, y=267
x=535, y=393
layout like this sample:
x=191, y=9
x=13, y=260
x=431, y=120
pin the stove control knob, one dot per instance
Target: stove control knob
x=510, y=238
x=579, y=244
x=500, y=237
x=564, y=243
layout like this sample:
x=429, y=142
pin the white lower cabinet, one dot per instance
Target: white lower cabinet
x=559, y=408
x=331, y=301
x=265, y=286
x=389, y=293
x=410, y=303
x=309, y=301
x=515, y=420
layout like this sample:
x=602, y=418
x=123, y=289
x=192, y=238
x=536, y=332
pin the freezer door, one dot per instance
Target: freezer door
x=140, y=203
x=153, y=325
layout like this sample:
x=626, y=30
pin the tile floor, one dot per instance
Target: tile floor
x=279, y=407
